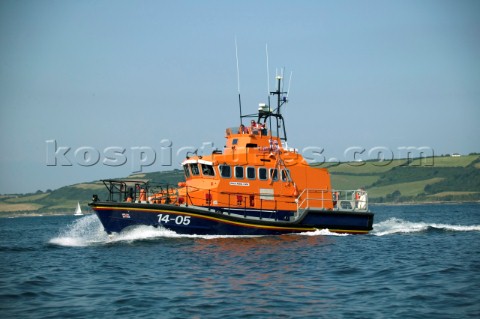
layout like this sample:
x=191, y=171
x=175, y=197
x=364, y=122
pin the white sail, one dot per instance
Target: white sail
x=78, y=210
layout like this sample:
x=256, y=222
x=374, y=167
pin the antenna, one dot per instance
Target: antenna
x=238, y=81
x=268, y=81
x=268, y=70
x=289, y=82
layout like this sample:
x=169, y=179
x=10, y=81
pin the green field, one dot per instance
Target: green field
x=368, y=167
x=351, y=182
x=405, y=189
x=446, y=161
x=440, y=178
x=448, y=179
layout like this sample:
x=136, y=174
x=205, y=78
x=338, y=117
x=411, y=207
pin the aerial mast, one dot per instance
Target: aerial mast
x=280, y=101
x=238, y=83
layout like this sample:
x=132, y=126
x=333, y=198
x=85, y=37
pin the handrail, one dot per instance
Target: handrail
x=345, y=200
x=129, y=190
x=308, y=198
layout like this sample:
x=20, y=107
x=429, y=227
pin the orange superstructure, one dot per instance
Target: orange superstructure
x=255, y=171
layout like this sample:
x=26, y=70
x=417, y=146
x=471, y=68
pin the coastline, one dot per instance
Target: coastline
x=36, y=214
x=426, y=203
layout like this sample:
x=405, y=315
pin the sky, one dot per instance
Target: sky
x=102, y=89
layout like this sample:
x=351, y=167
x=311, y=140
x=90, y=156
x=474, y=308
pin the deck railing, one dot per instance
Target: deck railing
x=312, y=198
x=345, y=200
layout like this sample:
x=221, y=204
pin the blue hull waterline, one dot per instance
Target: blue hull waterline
x=207, y=221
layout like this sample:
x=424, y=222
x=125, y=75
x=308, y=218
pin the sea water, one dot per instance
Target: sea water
x=418, y=262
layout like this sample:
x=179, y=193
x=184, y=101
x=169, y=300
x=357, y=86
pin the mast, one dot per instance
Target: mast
x=265, y=112
x=238, y=82
x=281, y=99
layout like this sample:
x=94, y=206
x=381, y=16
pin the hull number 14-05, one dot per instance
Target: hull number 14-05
x=179, y=219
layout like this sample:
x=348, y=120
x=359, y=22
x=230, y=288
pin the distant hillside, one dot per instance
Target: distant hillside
x=64, y=199
x=428, y=180
x=440, y=179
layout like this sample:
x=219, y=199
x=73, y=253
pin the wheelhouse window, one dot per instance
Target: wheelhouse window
x=285, y=174
x=262, y=174
x=251, y=172
x=239, y=172
x=186, y=170
x=207, y=170
x=274, y=174
x=194, y=169
x=225, y=171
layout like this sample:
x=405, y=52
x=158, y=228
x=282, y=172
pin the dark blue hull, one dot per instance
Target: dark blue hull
x=203, y=221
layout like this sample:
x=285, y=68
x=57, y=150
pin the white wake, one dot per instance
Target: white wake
x=322, y=232
x=396, y=225
x=88, y=231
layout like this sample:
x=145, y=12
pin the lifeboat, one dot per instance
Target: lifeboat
x=256, y=185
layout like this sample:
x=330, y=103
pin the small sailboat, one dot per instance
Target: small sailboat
x=78, y=210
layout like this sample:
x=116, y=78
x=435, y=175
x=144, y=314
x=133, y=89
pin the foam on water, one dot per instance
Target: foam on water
x=396, y=225
x=84, y=231
x=321, y=232
x=88, y=231
x=149, y=232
